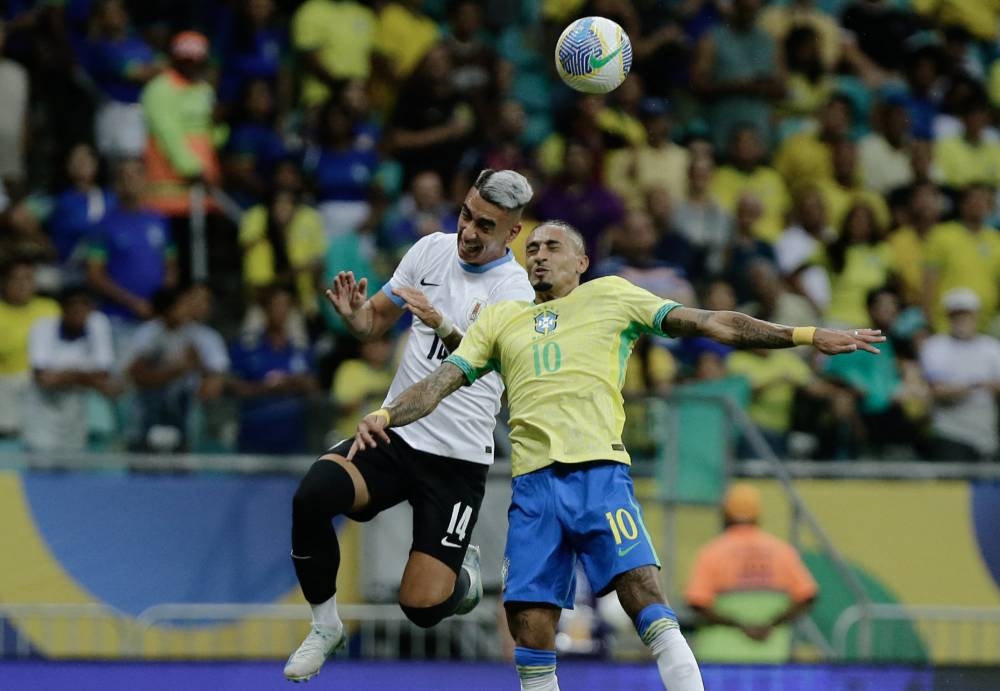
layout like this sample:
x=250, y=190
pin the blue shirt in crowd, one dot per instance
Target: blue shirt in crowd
x=343, y=176
x=270, y=424
x=257, y=58
x=134, y=246
x=74, y=218
x=110, y=61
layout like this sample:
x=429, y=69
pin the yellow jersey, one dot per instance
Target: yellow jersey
x=564, y=363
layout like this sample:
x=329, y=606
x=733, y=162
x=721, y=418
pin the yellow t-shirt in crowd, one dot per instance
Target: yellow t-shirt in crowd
x=962, y=163
x=564, y=363
x=344, y=35
x=773, y=379
x=728, y=183
x=979, y=17
x=803, y=159
x=305, y=245
x=964, y=259
x=908, y=261
x=866, y=267
x=633, y=172
x=839, y=200
x=15, y=324
x=404, y=37
x=357, y=388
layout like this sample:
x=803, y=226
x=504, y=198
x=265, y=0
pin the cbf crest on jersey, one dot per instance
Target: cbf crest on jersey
x=545, y=322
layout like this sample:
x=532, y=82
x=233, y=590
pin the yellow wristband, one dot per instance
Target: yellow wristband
x=382, y=412
x=803, y=335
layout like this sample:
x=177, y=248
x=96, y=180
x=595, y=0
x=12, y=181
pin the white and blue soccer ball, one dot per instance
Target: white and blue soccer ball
x=593, y=55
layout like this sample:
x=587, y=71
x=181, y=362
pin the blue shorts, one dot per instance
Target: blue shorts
x=565, y=512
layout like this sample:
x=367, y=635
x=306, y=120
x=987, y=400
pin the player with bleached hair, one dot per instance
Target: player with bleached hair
x=438, y=464
x=562, y=357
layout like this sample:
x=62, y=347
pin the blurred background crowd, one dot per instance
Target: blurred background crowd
x=180, y=179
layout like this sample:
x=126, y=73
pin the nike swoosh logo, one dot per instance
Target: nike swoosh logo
x=598, y=63
x=448, y=543
x=425, y=283
x=623, y=552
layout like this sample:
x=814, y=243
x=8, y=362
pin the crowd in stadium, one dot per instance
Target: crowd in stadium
x=805, y=161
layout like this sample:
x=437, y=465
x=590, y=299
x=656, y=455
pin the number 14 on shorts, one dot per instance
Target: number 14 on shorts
x=458, y=525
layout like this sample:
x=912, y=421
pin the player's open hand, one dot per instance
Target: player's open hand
x=835, y=341
x=420, y=306
x=347, y=295
x=370, y=430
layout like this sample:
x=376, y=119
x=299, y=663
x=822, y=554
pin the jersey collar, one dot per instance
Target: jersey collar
x=483, y=268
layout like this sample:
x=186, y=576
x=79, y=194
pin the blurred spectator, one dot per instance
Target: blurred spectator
x=334, y=41
x=809, y=84
x=579, y=123
x=504, y=149
x=131, y=255
x=963, y=254
x=924, y=66
x=121, y=62
x=620, y=119
x=632, y=258
x=478, y=77
x=361, y=384
x=13, y=120
x=971, y=157
x=656, y=162
x=858, y=261
x=22, y=237
x=178, y=106
x=908, y=242
x=884, y=154
x=421, y=212
x=78, y=210
x=781, y=19
x=745, y=247
x=770, y=298
x=799, y=249
x=20, y=309
x=208, y=342
x=671, y=245
x=404, y=35
x=430, y=127
x=748, y=586
x=700, y=218
x=70, y=356
x=963, y=369
x=283, y=241
x=255, y=147
x=806, y=157
x=272, y=376
x=774, y=376
x=888, y=390
x=256, y=49
x=163, y=362
x=342, y=167
x=577, y=199
x=736, y=72
x=980, y=18
x=879, y=28
x=746, y=171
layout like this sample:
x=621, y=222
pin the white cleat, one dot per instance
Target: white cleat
x=471, y=564
x=321, y=643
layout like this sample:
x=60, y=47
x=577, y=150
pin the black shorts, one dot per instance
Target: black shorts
x=445, y=494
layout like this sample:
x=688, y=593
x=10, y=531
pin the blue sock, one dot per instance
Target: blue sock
x=653, y=620
x=534, y=667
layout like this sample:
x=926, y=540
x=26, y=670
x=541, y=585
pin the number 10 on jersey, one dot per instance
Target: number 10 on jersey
x=547, y=358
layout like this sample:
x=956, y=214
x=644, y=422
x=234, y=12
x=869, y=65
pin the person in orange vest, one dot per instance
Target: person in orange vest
x=748, y=586
x=178, y=105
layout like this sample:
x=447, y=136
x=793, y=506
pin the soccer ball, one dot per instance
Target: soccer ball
x=593, y=55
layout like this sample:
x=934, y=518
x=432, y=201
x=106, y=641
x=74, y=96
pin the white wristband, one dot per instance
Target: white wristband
x=445, y=328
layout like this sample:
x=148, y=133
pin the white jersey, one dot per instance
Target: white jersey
x=462, y=425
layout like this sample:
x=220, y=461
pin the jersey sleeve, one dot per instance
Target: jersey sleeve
x=641, y=306
x=476, y=355
x=406, y=274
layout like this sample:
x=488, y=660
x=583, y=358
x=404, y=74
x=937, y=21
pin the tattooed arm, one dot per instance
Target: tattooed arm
x=411, y=405
x=743, y=331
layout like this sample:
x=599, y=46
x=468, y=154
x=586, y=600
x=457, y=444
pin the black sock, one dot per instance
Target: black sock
x=325, y=492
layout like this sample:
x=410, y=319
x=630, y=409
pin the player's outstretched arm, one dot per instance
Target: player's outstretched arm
x=743, y=331
x=421, y=307
x=411, y=405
